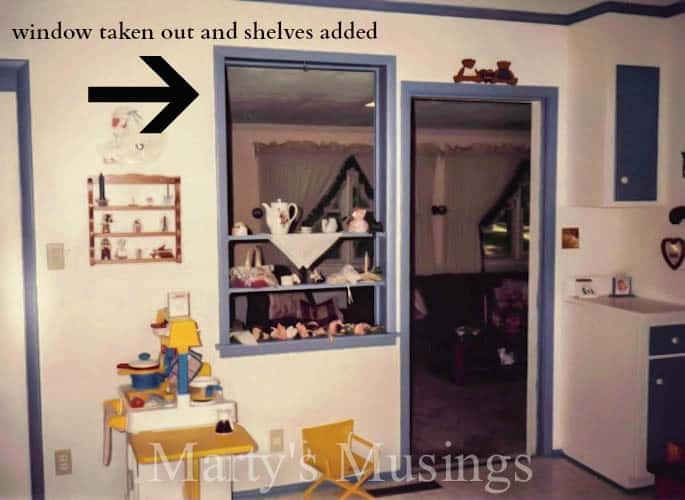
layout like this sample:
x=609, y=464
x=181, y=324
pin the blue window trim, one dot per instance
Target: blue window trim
x=548, y=98
x=14, y=77
x=441, y=9
x=384, y=66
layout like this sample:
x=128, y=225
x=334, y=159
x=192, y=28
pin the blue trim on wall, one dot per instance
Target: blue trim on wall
x=662, y=11
x=384, y=67
x=18, y=71
x=548, y=98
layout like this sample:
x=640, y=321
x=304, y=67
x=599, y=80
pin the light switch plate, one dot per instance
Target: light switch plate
x=62, y=462
x=276, y=440
x=55, y=254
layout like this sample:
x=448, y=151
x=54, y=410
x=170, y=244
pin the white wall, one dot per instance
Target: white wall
x=93, y=317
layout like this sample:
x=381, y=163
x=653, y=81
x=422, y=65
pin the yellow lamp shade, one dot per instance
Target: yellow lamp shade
x=183, y=334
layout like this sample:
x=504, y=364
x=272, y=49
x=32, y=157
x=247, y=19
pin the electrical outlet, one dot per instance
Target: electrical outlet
x=62, y=462
x=276, y=440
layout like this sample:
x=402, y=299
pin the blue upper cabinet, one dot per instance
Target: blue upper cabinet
x=637, y=133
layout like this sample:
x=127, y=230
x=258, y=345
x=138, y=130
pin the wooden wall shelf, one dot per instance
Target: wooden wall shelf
x=93, y=206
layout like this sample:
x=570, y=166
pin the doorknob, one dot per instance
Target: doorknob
x=659, y=381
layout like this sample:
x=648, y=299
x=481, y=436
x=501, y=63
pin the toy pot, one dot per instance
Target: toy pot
x=204, y=389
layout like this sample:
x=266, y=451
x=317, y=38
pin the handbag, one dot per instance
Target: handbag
x=248, y=275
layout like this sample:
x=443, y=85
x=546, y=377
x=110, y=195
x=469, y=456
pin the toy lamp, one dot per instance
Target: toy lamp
x=183, y=334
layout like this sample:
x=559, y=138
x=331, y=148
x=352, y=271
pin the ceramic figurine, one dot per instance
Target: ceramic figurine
x=150, y=200
x=121, y=252
x=239, y=229
x=329, y=225
x=102, y=201
x=278, y=217
x=105, y=249
x=302, y=330
x=165, y=224
x=139, y=253
x=137, y=226
x=223, y=426
x=168, y=199
x=106, y=221
x=503, y=74
x=357, y=223
x=467, y=73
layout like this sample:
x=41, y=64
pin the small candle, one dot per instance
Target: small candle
x=101, y=182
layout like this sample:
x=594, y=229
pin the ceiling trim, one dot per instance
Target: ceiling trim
x=662, y=11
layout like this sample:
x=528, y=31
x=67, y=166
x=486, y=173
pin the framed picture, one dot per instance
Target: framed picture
x=622, y=286
x=179, y=304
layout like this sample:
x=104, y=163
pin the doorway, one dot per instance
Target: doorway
x=539, y=388
x=471, y=238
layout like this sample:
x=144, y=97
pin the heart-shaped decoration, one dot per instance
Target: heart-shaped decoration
x=673, y=250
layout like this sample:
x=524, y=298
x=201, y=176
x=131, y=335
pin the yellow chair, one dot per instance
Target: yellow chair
x=328, y=449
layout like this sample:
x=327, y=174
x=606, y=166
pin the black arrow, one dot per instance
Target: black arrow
x=179, y=94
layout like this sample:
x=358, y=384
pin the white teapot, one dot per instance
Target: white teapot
x=278, y=216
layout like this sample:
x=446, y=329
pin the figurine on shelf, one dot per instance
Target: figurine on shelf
x=162, y=252
x=467, y=72
x=105, y=249
x=150, y=200
x=239, y=229
x=137, y=226
x=168, y=199
x=165, y=224
x=121, y=253
x=503, y=74
x=357, y=223
x=102, y=201
x=329, y=225
x=106, y=221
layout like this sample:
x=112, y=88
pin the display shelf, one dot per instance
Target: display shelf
x=142, y=234
x=267, y=236
x=308, y=344
x=131, y=208
x=297, y=288
x=133, y=179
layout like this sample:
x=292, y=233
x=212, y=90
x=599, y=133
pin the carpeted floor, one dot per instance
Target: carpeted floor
x=481, y=418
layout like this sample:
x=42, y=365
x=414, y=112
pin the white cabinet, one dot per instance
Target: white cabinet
x=604, y=383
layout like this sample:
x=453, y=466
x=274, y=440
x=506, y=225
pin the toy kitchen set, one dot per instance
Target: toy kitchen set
x=172, y=401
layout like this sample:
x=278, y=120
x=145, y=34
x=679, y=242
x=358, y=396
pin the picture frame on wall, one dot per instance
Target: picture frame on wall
x=621, y=286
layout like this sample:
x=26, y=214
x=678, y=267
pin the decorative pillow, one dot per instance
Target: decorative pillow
x=285, y=305
x=322, y=313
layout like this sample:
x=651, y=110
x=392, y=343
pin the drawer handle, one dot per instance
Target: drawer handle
x=659, y=381
x=675, y=340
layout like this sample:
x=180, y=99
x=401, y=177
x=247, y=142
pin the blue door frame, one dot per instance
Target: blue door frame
x=14, y=77
x=548, y=98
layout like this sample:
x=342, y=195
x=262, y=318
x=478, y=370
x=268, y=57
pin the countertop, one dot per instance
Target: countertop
x=636, y=305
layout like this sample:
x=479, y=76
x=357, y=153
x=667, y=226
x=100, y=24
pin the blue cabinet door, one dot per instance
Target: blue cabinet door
x=637, y=133
x=666, y=419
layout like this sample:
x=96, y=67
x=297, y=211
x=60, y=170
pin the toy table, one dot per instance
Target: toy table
x=174, y=441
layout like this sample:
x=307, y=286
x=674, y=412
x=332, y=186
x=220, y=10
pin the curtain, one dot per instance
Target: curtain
x=424, y=241
x=474, y=179
x=301, y=172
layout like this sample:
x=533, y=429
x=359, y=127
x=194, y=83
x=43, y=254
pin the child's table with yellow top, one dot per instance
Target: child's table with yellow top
x=174, y=443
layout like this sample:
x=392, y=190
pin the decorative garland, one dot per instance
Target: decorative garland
x=350, y=164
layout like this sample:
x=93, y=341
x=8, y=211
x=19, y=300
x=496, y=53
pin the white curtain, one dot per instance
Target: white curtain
x=424, y=241
x=474, y=180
